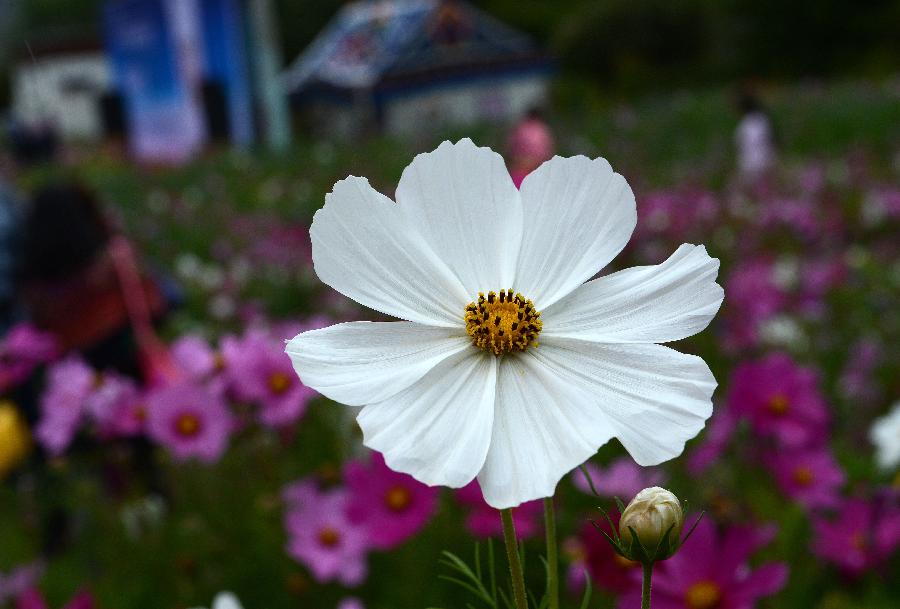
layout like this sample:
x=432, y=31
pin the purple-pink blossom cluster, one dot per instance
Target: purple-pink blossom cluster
x=23, y=349
x=332, y=530
x=215, y=392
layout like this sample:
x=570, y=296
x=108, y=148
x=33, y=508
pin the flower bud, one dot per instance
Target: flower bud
x=651, y=513
x=15, y=439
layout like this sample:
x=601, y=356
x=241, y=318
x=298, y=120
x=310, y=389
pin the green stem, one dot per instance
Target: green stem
x=552, y=554
x=645, y=590
x=512, y=554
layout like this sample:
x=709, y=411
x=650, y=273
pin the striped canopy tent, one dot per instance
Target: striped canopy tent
x=376, y=60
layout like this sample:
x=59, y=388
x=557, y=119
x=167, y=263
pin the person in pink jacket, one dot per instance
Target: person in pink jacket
x=530, y=143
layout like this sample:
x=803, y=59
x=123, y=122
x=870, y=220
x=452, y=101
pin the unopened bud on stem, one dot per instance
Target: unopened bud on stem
x=652, y=513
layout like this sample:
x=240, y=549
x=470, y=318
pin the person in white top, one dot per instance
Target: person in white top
x=755, y=139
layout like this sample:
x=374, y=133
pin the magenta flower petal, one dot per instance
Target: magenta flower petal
x=190, y=420
x=391, y=506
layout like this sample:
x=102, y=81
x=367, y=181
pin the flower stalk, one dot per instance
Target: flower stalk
x=645, y=587
x=552, y=554
x=512, y=554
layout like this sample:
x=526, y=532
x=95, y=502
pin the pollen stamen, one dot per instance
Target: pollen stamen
x=503, y=322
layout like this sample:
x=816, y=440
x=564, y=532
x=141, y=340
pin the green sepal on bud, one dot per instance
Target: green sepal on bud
x=649, y=527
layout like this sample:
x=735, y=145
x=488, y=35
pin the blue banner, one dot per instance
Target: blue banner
x=225, y=63
x=149, y=68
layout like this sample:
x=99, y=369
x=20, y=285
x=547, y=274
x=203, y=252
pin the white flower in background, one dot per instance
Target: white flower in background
x=885, y=435
x=482, y=273
x=783, y=331
x=225, y=600
x=188, y=266
x=786, y=272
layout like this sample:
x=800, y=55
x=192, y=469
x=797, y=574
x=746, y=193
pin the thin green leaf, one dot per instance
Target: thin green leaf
x=691, y=530
x=493, y=573
x=609, y=521
x=478, y=561
x=588, y=590
x=587, y=476
x=506, y=599
x=460, y=583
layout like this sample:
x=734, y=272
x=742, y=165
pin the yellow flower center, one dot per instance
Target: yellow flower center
x=778, y=405
x=279, y=382
x=703, y=595
x=398, y=498
x=859, y=542
x=503, y=323
x=187, y=425
x=328, y=537
x=803, y=476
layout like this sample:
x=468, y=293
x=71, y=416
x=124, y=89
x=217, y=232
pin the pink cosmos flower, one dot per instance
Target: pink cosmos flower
x=718, y=433
x=115, y=406
x=484, y=521
x=811, y=477
x=192, y=421
x=880, y=205
x=33, y=599
x=675, y=215
x=62, y=405
x=351, y=603
x=322, y=537
x=391, y=506
x=22, y=349
x=753, y=297
x=780, y=399
x=260, y=372
x=623, y=478
x=857, y=381
x=801, y=216
x=862, y=535
x=194, y=357
x=817, y=278
x=711, y=571
x=19, y=580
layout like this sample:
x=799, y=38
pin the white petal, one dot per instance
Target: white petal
x=578, y=215
x=362, y=362
x=463, y=201
x=437, y=430
x=543, y=428
x=655, y=398
x=226, y=600
x=645, y=304
x=363, y=248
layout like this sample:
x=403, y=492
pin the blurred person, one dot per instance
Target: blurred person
x=754, y=138
x=33, y=142
x=81, y=282
x=530, y=143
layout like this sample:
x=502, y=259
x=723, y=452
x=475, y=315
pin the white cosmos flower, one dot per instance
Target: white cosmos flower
x=885, y=435
x=225, y=600
x=445, y=410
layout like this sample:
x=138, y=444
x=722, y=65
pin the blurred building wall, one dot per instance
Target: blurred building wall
x=64, y=90
x=500, y=99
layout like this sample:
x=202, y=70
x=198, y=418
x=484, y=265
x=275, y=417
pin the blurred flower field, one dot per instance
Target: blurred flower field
x=267, y=491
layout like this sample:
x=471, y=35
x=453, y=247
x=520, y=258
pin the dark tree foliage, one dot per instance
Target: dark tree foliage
x=624, y=44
